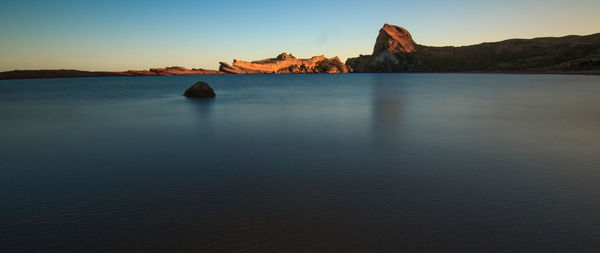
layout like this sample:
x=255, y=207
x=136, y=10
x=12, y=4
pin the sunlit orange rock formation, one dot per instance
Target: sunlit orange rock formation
x=284, y=64
x=394, y=39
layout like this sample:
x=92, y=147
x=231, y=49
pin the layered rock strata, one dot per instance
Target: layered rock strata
x=286, y=64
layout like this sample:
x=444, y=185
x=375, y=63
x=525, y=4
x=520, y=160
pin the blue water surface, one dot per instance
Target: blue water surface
x=301, y=163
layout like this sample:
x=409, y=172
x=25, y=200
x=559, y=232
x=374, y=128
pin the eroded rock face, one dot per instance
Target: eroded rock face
x=286, y=64
x=199, y=90
x=393, y=52
x=394, y=39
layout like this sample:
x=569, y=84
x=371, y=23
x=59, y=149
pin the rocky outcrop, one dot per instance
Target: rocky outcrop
x=286, y=64
x=199, y=90
x=395, y=51
x=394, y=39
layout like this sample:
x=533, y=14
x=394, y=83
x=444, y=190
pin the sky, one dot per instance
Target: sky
x=116, y=35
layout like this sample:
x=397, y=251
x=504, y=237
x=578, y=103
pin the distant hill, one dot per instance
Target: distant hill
x=395, y=51
x=61, y=73
x=24, y=74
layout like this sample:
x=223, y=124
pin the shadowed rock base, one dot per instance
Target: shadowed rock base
x=199, y=90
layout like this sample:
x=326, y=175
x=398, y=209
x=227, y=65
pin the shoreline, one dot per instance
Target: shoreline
x=43, y=74
x=396, y=52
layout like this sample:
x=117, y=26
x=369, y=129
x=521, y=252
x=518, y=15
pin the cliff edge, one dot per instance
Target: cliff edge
x=394, y=39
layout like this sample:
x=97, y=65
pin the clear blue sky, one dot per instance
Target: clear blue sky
x=122, y=35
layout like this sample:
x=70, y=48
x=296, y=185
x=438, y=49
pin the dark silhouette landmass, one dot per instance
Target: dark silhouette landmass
x=168, y=71
x=395, y=51
x=25, y=74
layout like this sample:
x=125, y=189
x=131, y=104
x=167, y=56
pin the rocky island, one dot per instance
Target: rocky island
x=199, y=90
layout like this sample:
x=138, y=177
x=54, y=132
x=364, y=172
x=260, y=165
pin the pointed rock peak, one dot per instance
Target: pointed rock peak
x=284, y=56
x=394, y=39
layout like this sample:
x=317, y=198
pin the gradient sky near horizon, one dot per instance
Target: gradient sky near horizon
x=123, y=35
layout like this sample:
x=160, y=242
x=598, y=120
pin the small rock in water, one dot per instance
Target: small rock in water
x=199, y=90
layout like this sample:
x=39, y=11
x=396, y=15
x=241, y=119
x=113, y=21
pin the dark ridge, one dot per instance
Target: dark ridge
x=566, y=54
x=63, y=73
x=25, y=74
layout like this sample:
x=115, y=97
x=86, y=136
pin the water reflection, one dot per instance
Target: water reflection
x=387, y=103
x=341, y=163
x=203, y=108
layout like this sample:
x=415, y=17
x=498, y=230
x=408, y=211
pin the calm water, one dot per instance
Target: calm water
x=296, y=163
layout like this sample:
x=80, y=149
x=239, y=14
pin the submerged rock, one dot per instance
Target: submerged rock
x=199, y=90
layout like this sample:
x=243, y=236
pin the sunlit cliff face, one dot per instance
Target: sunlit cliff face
x=394, y=39
x=286, y=63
